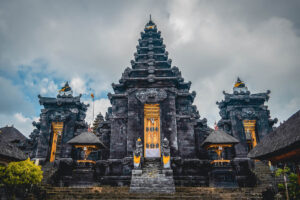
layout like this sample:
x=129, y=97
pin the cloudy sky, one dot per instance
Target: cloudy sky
x=90, y=43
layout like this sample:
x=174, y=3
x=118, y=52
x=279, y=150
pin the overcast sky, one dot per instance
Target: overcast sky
x=90, y=43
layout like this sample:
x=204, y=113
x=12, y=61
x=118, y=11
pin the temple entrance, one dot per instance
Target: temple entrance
x=57, y=128
x=249, y=127
x=151, y=130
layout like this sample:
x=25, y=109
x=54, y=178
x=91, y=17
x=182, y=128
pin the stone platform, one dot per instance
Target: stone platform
x=152, y=178
x=185, y=193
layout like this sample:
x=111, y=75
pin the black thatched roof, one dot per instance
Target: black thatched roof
x=11, y=152
x=283, y=139
x=219, y=137
x=86, y=138
x=11, y=134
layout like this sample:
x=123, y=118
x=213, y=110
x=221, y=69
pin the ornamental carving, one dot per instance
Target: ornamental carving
x=248, y=113
x=151, y=95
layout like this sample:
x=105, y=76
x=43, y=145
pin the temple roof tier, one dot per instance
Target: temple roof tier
x=148, y=63
x=242, y=95
x=219, y=137
x=86, y=138
x=151, y=55
x=144, y=42
x=255, y=99
x=66, y=100
x=154, y=35
x=192, y=95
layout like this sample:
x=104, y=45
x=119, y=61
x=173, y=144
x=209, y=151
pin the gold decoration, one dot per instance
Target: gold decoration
x=151, y=127
x=237, y=84
x=57, y=128
x=219, y=148
x=88, y=149
x=249, y=126
x=166, y=159
x=137, y=159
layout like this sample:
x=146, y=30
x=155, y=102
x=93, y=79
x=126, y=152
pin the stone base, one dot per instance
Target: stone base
x=83, y=177
x=185, y=172
x=115, y=180
x=137, y=172
x=191, y=181
x=182, y=193
x=222, y=177
x=152, y=179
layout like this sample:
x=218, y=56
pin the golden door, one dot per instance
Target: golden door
x=151, y=130
x=249, y=126
x=57, y=128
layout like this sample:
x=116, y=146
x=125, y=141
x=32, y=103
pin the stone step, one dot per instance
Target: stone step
x=151, y=179
x=181, y=193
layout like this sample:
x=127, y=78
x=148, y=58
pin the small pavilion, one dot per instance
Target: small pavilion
x=88, y=142
x=217, y=141
x=222, y=173
x=83, y=173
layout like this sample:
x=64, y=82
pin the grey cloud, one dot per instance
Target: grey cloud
x=212, y=42
x=12, y=100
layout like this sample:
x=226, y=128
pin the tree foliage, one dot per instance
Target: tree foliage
x=292, y=183
x=23, y=172
x=97, y=121
x=19, y=177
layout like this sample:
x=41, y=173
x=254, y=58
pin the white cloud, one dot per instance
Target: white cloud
x=48, y=87
x=12, y=99
x=100, y=105
x=20, y=118
x=78, y=85
x=19, y=121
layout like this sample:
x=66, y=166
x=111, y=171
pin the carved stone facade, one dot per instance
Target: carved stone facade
x=65, y=108
x=240, y=106
x=235, y=110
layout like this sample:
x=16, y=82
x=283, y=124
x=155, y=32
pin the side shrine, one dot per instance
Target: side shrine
x=61, y=119
x=152, y=135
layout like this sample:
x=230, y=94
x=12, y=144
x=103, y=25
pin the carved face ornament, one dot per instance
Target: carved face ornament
x=152, y=120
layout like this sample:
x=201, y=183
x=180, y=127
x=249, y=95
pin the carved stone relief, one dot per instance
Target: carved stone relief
x=151, y=95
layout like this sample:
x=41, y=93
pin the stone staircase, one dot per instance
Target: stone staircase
x=263, y=174
x=58, y=146
x=152, y=178
x=48, y=171
x=106, y=192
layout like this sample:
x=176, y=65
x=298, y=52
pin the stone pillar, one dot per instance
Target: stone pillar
x=238, y=132
x=135, y=123
x=168, y=123
x=118, y=138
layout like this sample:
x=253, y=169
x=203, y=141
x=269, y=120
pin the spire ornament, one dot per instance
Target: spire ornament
x=65, y=91
x=240, y=87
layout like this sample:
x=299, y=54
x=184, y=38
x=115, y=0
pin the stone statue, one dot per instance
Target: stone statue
x=137, y=154
x=166, y=154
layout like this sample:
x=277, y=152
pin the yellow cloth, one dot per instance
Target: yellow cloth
x=238, y=84
x=137, y=159
x=166, y=159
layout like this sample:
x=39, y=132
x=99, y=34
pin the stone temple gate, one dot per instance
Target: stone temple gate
x=153, y=124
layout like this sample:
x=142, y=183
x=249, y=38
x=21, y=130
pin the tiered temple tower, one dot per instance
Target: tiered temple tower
x=152, y=102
